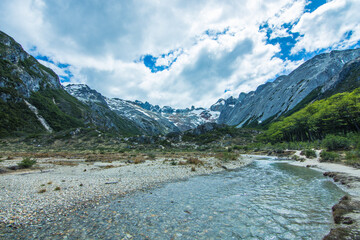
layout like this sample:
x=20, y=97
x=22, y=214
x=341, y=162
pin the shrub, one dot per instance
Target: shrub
x=333, y=142
x=353, y=158
x=151, y=156
x=329, y=157
x=57, y=189
x=308, y=153
x=27, y=163
x=297, y=158
x=227, y=156
x=196, y=161
x=42, y=191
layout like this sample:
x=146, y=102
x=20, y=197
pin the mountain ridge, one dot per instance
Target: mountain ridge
x=272, y=99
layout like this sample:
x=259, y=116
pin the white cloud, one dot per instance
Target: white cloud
x=103, y=40
x=327, y=26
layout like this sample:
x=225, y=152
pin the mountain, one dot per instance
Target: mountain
x=148, y=122
x=183, y=119
x=288, y=93
x=32, y=99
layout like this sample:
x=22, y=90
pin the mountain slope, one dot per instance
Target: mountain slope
x=146, y=121
x=32, y=99
x=304, y=84
x=339, y=113
x=183, y=119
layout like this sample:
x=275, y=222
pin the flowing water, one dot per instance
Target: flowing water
x=265, y=200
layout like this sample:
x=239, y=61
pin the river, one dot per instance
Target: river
x=267, y=199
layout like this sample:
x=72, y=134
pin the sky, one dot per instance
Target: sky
x=178, y=52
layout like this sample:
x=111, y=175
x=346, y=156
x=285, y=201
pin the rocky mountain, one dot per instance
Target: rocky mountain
x=32, y=99
x=147, y=121
x=292, y=92
x=184, y=119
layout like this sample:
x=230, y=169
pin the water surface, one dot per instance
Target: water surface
x=265, y=200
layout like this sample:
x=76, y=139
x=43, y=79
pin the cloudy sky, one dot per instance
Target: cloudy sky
x=178, y=52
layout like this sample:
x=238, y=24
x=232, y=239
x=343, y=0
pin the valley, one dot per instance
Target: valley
x=66, y=150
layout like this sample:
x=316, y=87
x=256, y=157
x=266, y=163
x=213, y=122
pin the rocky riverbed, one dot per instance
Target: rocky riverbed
x=346, y=213
x=58, y=186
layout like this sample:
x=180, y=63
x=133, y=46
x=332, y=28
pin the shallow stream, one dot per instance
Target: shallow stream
x=265, y=200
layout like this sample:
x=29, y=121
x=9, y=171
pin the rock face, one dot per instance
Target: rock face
x=32, y=99
x=21, y=72
x=183, y=119
x=147, y=121
x=273, y=99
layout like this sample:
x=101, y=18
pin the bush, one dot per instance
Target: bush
x=333, y=142
x=353, y=158
x=227, y=156
x=27, y=163
x=308, y=153
x=194, y=160
x=329, y=157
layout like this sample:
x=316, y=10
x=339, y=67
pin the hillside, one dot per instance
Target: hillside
x=32, y=99
x=290, y=93
x=339, y=114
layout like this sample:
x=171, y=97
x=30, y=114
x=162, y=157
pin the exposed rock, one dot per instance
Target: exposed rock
x=273, y=99
x=26, y=74
x=183, y=119
x=345, y=213
x=149, y=122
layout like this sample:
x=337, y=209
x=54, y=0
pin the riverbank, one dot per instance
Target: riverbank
x=57, y=186
x=346, y=213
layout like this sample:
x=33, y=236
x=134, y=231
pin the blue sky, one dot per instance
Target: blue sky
x=181, y=52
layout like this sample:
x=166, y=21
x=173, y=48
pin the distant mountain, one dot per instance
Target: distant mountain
x=184, y=119
x=287, y=94
x=147, y=121
x=32, y=99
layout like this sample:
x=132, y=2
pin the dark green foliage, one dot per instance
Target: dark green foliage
x=337, y=114
x=308, y=153
x=329, y=157
x=57, y=119
x=17, y=119
x=333, y=142
x=27, y=163
x=5, y=69
x=353, y=158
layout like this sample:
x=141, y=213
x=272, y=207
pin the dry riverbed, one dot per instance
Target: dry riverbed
x=58, y=186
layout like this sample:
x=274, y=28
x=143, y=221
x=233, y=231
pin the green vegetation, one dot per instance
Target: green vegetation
x=337, y=114
x=308, y=153
x=57, y=119
x=16, y=119
x=27, y=162
x=326, y=156
x=333, y=142
x=353, y=158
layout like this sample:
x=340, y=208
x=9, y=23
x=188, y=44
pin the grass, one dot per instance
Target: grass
x=326, y=156
x=194, y=160
x=308, y=153
x=227, y=156
x=27, y=163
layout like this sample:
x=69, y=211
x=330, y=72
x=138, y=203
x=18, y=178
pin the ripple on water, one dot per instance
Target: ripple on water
x=265, y=200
